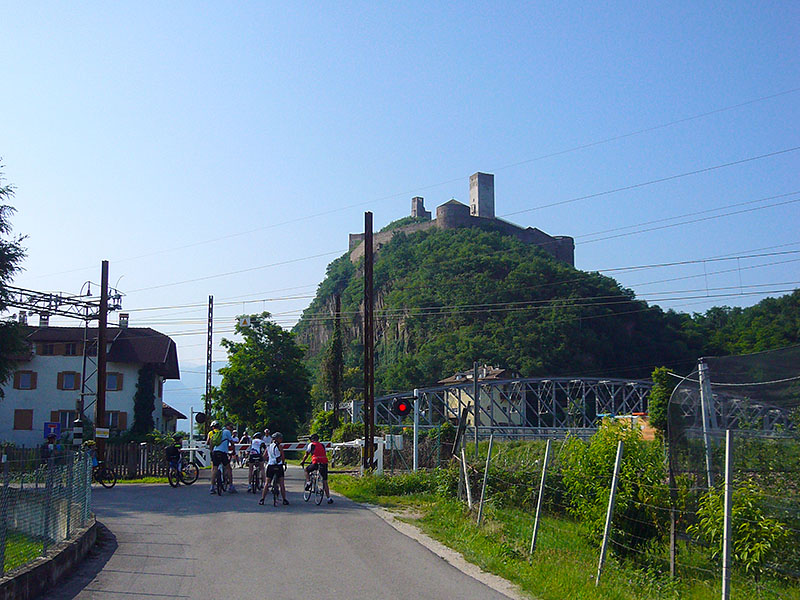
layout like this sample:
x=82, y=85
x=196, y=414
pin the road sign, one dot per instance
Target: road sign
x=101, y=433
x=52, y=428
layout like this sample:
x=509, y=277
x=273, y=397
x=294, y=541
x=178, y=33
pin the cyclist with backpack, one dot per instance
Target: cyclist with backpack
x=319, y=462
x=221, y=441
x=275, y=466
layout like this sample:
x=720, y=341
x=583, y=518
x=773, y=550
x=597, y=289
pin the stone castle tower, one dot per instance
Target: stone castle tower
x=481, y=195
x=479, y=214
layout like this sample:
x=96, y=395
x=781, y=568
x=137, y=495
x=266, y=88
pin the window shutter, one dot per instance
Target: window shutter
x=54, y=416
x=60, y=381
x=16, y=380
x=122, y=420
x=33, y=380
x=119, y=381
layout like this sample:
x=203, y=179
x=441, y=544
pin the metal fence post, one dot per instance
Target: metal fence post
x=541, y=496
x=609, y=514
x=466, y=477
x=70, y=486
x=485, y=478
x=47, y=506
x=726, y=537
x=706, y=405
x=4, y=514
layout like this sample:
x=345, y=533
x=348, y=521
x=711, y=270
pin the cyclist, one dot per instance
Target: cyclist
x=255, y=458
x=319, y=462
x=275, y=466
x=219, y=456
x=234, y=454
x=172, y=453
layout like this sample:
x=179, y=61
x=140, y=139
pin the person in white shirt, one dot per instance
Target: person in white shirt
x=275, y=465
x=255, y=458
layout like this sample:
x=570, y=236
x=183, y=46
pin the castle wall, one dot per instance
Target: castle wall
x=382, y=238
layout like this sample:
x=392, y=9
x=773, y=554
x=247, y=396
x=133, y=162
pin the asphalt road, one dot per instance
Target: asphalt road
x=164, y=543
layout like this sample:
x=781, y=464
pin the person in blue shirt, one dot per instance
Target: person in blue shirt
x=220, y=456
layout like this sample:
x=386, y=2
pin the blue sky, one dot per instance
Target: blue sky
x=183, y=141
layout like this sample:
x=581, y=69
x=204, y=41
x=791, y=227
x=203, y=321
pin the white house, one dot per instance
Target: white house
x=46, y=385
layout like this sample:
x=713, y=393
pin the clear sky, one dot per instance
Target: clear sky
x=228, y=148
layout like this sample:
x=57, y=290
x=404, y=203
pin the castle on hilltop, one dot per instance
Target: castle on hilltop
x=480, y=213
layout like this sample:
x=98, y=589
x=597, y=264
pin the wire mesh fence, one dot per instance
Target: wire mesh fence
x=684, y=514
x=41, y=505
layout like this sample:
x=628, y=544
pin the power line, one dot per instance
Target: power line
x=455, y=180
x=655, y=181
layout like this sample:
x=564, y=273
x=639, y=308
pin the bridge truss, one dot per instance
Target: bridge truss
x=523, y=406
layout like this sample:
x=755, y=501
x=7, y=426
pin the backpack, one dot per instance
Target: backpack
x=216, y=438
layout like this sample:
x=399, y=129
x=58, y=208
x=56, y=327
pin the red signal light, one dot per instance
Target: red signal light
x=401, y=407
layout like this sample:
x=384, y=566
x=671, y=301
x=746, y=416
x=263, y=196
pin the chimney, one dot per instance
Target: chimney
x=23, y=317
x=123, y=320
x=44, y=320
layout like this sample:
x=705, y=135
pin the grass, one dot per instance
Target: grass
x=565, y=562
x=144, y=480
x=20, y=550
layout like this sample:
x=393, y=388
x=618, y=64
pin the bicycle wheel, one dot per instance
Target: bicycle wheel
x=107, y=478
x=173, y=476
x=275, y=490
x=307, y=489
x=218, y=484
x=189, y=473
x=319, y=491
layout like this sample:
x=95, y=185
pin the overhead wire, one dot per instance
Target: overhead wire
x=417, y=189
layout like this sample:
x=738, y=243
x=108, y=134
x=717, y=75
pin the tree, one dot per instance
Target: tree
x=11, y=255
x=658, y=399
x=144, y=401
x=265, y=382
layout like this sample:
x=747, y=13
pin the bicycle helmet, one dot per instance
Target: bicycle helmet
x=214, y=424
x=277, y=435
x=259, y=435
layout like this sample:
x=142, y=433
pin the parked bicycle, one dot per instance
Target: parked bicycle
x=315, y=488
x=186, y=472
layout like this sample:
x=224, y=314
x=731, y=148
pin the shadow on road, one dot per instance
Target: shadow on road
x=88, y=569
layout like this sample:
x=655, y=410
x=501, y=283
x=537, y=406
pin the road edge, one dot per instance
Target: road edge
x=452, y=557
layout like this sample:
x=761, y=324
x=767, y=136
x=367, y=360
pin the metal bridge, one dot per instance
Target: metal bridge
x=521, y=406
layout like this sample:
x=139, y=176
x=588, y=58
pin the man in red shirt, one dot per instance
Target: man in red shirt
x=319, y=461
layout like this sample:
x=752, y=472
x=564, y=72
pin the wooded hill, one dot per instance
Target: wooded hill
x=446, y=298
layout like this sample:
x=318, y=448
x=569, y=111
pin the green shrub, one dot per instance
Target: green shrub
x=587, y=471
x=347, y=432
x=756, y=539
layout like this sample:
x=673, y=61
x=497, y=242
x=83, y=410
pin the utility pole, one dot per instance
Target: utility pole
x=101, y=360
x=337, y=358
x=369, y=347
x=209, y=349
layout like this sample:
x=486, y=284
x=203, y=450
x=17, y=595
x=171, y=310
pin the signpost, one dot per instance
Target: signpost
x=52, y=428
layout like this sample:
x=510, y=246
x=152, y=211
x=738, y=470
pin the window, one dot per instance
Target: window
x=66, y=418
x=25, y=380
x=113, y=382
x=117, y=419
x=71, y=349
x=69, y=380
x=48, y=349
x=23, y=418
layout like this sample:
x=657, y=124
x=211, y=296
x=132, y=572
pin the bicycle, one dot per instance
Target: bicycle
x=315, y=488
x=221, y=482
x=276, y=488
x=257, y=484
x=104, y=476
x=186, y=472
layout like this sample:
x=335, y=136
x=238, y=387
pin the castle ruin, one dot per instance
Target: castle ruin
x=480, y=213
